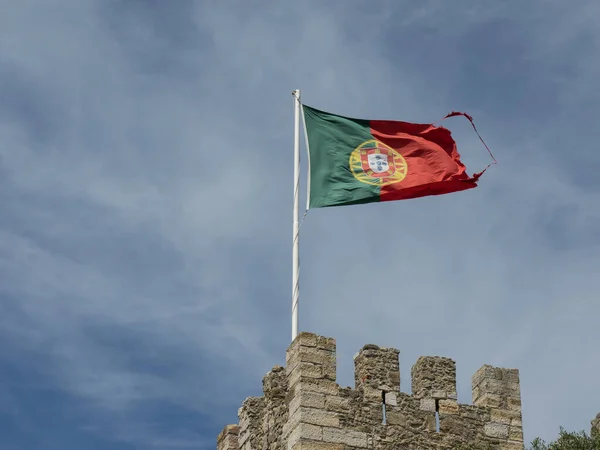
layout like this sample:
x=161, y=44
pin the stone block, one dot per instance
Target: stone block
x=304, y=431
x=438, y=394
x=484, y=372
x=430, y=424
x=511, y=446
x=390, y=399
x=497, y=388
x=518, y=422
x=472, y=412
x=514, y=403
x=489, y=400
x=322, y=386
x=244, y=422
x=243, y=438
x=515, y=434
x=233, y=429
x=500, y=387
x=306, y=399
x=305, y=338
x=304, y=370
x=427, y=404
x=309, y=354
x=320, y=417
x=348, y=437
x=487, y=372
x=314, y=417
x=326, y=343
x=336, y=403
x=228, y=438
x=496, y=430
x=371, y=394
x=504, y=416
x=329, y=371
x=394, y=417
x=317, y=445
x=511, y=375
x=448, y=407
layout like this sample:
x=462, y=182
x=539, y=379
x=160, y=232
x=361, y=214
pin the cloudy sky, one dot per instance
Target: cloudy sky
x=146, y=205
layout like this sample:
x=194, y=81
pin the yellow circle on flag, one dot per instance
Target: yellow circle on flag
x=376, y=163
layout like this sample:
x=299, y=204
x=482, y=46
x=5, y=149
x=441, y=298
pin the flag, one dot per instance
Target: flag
x=355, y=161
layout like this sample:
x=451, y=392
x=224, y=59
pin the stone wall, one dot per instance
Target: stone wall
x=596, y=426
x=303, y=408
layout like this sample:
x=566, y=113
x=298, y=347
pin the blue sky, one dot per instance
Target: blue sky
x=145, y=207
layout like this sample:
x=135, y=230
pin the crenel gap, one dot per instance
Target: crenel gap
x=383, y=407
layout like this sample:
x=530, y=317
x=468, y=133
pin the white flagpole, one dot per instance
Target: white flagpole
x=296, y=224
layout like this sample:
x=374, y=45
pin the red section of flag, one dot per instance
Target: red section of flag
x=434, y=165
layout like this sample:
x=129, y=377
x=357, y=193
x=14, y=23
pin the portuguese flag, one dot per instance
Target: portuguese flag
x=354, y=161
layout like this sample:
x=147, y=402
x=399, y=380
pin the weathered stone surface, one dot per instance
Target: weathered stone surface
x=336, y=403
x=229, y=430
x=427, y=404
x=317, y=445
x=304, y=370
x=305, y=338
x=514, y=403
x=497, y=430
x=377, y=368
x=305, y=354
x=228, y=438
x=430, y=423
x=314, y=417
x=308, y=399
x=595, y=431
x=304, y=432
x=511, y=446
x=485, y=371
x=497, y=388
x=434, y=374
x=304, y=409
x=395, y=418
x=391, y=399
x=489, y=400
x=515, y=434
x=319, y=386
x=329, y=371
x=326, y=343
x=275, y=409
x=448, y=407
x=275, y=383
x=348, y=437
x=251, y=417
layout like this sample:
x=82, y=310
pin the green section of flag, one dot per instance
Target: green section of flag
x=331, y=141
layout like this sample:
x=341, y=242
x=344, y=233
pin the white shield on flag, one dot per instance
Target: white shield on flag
x=378, y=162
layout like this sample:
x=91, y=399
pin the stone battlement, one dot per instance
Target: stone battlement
x=596, y=426
x=304, y=408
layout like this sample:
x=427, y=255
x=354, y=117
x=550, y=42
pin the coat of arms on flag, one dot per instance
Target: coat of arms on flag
x=373, y=162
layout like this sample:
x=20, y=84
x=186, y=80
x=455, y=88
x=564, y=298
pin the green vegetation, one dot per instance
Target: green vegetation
x=566, y=441
x=569, y=441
